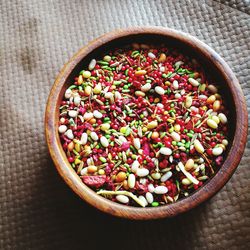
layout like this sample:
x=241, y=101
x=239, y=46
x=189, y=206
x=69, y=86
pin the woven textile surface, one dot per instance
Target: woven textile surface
x=37, y=209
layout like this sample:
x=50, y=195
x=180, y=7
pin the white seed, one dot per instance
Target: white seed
x=160, y=105
x=216, y=119
x=149, y=197
x=90, y=161
x=73, y=113
x=151, y=188
x=117, y=95
x=186, y=181
x=62, y=129
x=151, y=55
x=225, y=142
x=194, y=82
x=188, y=101
x=122, y=138
x=104, y=141
x=217, y=151
x=131, y=181
x=105, y=126
x=166, y=176
x=162, y=69
x=177, y=96
x=198, y=146
x=202, y=97
x=77, y=100
x=97, y=114
x=146, y=87
x=92, y=64
x=175, y=136
x=139, y=93
x=156, y=176
x=152, y=125
x=84, y=171
x=135, y=166
x=88, y=115
x=69, y=134
x=109, y=95
x=86, y=74
x=68, y=93
x=165, y=151
x=142, y=172
x=94, y=136
x=97, y=89
x=137, y=143
x=161, y=190
x=175, y=84
x=143, y=199
x=212, y=124
x=159, y=90
x=222, y=118
x=122, y=198
x=84, y=138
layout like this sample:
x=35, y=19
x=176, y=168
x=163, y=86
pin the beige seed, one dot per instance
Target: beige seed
x=186, y=181
x=131, y=181
x=105, y=126
x=216, y=119
x=175, y=136
x=92, y=64
x=212, y=124
x=87, y=90
x=101, y=172
x=188, y=102
x=152, y=125
x=80, y=80
x=189, y=164
x=92, y=169
x=222, y=118
x=177, y=128
x=107, y=58
x=71, y=146
x=211, y=99
x=156, y=176
x=198, y=146
x=140, y=72
x=212, y=89
x=216, y=105
x=86, y=74
x=225, y=142
x=202, y=87
x=139, y=93
x=120, y=177
x=162, y=58
x=97, y=89
x=193, y=82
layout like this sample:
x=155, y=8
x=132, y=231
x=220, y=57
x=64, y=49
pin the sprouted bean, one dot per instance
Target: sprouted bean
x=143, y=126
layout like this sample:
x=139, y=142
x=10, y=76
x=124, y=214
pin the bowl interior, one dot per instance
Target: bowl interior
x=212, y=72
x=215, y=69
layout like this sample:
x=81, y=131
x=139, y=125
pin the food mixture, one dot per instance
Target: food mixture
x=143, y=126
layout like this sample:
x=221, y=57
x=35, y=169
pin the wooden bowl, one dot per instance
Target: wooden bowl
x=213, y=64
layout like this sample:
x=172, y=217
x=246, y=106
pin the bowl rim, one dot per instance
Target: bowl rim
x=207, y=191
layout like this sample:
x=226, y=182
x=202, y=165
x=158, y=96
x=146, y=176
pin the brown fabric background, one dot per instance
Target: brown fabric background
x=38, y=210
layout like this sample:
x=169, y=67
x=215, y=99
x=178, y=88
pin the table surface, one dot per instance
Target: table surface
x=37, y=209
